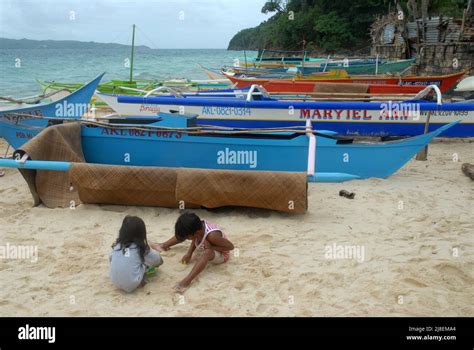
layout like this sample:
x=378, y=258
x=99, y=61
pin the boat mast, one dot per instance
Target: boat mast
x=304, y=53
x=131, y=58
x=245, y=54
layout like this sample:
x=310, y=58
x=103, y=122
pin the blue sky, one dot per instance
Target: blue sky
x=161, y=23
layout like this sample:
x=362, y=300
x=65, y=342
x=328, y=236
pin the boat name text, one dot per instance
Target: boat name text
x=141, y=133
x=388, y=111
x=20, y=115
x=230, y=111
x=150, y=108
x=23, y=135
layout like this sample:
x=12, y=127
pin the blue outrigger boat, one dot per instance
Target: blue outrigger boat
x=20, y=118
x=254, y=108
x=179, y=142
x=170, y=140
x=41, y=115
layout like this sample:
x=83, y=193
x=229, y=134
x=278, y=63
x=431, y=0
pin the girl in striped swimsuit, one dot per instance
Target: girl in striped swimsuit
x=208, y=241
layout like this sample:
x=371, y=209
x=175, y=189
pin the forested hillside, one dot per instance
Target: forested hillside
x=330, y=25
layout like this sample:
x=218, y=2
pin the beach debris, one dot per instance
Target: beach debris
x=468, y=170
x=2, y=173
x=347, y=194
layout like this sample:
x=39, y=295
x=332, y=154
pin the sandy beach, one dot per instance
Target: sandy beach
x=416, y=230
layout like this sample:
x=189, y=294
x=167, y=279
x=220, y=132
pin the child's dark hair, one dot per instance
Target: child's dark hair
x=133, y=230
x=186, y=225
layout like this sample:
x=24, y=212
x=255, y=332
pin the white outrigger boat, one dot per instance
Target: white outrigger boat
x=255, y=108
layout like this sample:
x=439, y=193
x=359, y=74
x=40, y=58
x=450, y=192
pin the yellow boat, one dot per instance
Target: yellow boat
x=332, y=74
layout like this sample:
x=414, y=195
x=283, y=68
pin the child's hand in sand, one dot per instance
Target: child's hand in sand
x=180, y=287
x=159, y=247
x=186, y=259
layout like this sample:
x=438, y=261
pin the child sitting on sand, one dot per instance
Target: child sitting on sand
x=131, y=256
x=207, y=239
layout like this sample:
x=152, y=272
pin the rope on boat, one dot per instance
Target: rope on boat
x=204, y=129
x=32, y=101
x=195, y=130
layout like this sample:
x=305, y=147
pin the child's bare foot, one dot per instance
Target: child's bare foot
x=143, y=282
x=180, y=288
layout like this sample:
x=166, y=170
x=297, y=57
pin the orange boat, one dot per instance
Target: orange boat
x=393, y=85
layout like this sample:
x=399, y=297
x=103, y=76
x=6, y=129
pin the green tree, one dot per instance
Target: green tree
x=333, y=32
x=272, y=6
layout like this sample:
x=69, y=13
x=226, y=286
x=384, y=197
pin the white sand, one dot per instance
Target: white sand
x=281, y=270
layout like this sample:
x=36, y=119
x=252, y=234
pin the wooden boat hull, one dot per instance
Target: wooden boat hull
x=409, y=85
x=444, y=82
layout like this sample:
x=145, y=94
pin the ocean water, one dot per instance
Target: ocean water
x=19, y=68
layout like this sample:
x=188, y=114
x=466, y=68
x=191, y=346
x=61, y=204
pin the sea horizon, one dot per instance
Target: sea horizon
x=19, y=68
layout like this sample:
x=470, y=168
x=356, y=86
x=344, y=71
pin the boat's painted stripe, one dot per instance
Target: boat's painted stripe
x=287, y=123
x=275, y=104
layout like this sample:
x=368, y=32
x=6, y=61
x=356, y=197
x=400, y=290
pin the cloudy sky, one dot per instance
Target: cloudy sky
x=161, y=23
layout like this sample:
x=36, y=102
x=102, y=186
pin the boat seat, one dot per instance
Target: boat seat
x=142, y=121
x=392, y=138
x=52, y=122
x=341, y=140
x=341, y=88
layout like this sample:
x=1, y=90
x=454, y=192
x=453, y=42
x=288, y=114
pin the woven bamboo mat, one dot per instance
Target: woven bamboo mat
x=152, y=186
